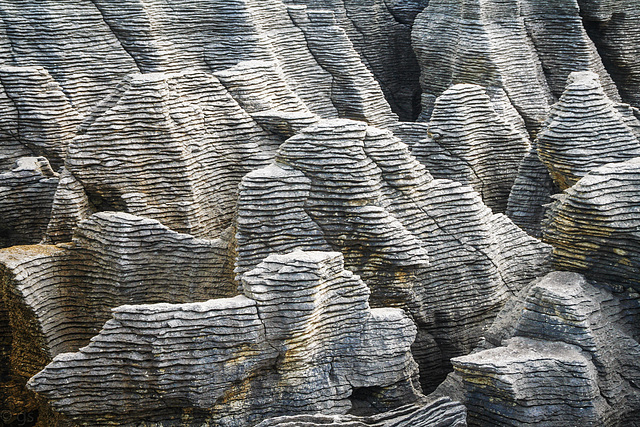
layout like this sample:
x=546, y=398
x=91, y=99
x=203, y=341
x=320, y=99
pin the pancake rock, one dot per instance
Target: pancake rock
x=301, y=339
x=474, y=144
x=566, y=353
x=381, y=34
x=584, y=131
x=55, y=298
x=172, y=147
x=355, y=92
x=483, y=43
x=614, y=28
x=429, y=246
x=26, y=197
x=441, y=413
x=593, y=226
x=526, y=48
x=40, y=117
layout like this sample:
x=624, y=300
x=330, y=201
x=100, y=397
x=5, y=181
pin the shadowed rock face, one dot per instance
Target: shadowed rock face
x=303, y=326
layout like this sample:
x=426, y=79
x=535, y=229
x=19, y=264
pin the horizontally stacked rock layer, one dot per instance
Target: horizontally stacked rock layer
x=427, y=245
x=55, y=298
x=584, y=130
x=524, y=48
x=441, y=413
x=303, y=328
x=566, y=354
x=594, y=225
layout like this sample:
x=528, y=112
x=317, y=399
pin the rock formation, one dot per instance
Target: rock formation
x=441, y=413
x=337, y=186
x=563, y=353
x=593, y=226
x=55, y=298
x=302, y=327
x=197, y=200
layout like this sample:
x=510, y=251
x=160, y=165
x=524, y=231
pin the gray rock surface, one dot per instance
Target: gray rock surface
x=55, y=298
x=441, y=413
x=429, y=246
x=566, y=353
x=302, y=327
x=593, y=226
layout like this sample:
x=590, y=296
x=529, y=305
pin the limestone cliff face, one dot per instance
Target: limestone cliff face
x=199, y=201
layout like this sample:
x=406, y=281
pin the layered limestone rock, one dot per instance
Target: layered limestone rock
x=566, y=353
x=614, y=28
x=593, y=226
x=468, y=141
x=483, y=43
x=526, y=48
x=303, y=328
x=427, y=245
x=171, y=147
x=381, y=34
x=584, y=131
x=55, y=298
x=441, y=413
x=26, y=197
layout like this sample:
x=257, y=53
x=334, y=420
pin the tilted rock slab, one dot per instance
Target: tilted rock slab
x=55, y=298
x=593, y=226
x=566, y=354
x=475, y=144
x=381, y=34
x=441, y=413
x=26, y=198
x=426, y=245
x=301, y=339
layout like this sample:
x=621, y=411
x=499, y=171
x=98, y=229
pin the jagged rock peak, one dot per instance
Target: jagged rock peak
x=584, y=131
x=306, y=342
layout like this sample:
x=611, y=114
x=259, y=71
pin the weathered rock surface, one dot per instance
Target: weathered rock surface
x=468, y=141
x=172, y=147
x=593, y=226
x=441, y=413
x=26, y=197
x=381, y=34
x=526, y=48
x=585, y=130
x=426, y=245
x=55, y=298
x=303, y=328
x=566, y=354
